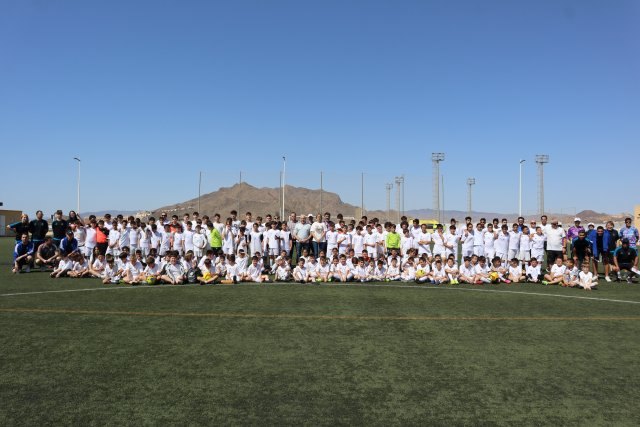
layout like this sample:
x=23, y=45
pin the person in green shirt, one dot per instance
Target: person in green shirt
x=215, y=239
x=393, y=239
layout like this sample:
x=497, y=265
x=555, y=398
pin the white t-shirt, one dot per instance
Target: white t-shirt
x=514, y=240
x=425, y=238
x=554, y=239
x=317, y=230
x=557, y=270
x=188, y=240
x=467, y=271
x=538, y=241
x=532, y=271
x=90, y=240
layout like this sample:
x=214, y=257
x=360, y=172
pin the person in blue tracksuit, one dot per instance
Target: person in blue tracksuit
x=23, y=254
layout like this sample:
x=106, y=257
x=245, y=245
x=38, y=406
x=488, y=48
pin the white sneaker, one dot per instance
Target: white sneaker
x=635, y=270
x=28, y=269
x=607, y=278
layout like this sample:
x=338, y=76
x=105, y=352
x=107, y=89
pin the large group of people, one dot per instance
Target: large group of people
x=317, y=249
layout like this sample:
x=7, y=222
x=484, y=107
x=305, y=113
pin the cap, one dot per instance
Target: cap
x=576, y=219
x=310, y=215
x=591, y=224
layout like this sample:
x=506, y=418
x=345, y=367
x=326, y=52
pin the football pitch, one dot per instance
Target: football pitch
x=74, y=351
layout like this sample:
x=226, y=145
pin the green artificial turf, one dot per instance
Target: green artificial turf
x=316, y=355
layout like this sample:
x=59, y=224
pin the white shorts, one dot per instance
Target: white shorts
x=524, y=255
x=478, y=250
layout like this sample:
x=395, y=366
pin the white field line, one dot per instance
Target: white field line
x=361, y=285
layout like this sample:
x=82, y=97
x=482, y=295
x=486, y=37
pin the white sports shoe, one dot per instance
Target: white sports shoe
x=635, y=270
x=607, y=278
x=28, y=269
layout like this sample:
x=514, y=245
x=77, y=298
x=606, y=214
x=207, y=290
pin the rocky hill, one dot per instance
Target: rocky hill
x=262, y=201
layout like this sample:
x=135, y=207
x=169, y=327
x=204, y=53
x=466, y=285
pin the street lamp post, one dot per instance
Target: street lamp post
x=520, y=190
x=78, y=206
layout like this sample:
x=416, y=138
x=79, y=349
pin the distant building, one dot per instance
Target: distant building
x=8, y=217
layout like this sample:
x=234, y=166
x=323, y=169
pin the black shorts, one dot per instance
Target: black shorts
x=605, y=257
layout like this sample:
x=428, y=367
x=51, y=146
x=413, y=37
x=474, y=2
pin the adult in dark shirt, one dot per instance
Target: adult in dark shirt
x=47, y=253
x=59, y=227
x=21, y=227
x=626, y=258
x=39, y=228
x=582, y=249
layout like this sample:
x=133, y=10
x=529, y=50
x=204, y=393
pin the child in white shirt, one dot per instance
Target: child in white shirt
x=586, y=279
x=300, y=273
x=466, y=271
x=533, y=272
x=323, y=270
x=556, y=276
x=571, y=274
x=393, y=271
x=515, y=271
x=451, y=269
x=438, y=274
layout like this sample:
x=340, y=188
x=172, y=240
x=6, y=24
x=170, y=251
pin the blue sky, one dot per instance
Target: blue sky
x=149, y=93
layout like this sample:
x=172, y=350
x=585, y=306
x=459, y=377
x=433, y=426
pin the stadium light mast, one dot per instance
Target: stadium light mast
x=78, y=207
x=284, y=169
x=399, y=180
x=199, y=189
x=470, y=182
x=520, y=190
x=389, y=187
x=436, y=158
x=541, y=159
x=362, y=195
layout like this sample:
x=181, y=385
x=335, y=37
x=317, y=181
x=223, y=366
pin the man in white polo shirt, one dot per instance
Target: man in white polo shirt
x=555, y=242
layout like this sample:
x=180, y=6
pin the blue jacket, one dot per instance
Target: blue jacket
x=68, y=246
x=593, y=236
x=21, y=249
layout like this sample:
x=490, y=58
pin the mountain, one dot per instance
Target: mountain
x=113, y=213
x=262, y=201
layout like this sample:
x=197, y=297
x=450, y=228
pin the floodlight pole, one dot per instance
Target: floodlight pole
x=78, y=207
x=520, y=190
x=284, y=169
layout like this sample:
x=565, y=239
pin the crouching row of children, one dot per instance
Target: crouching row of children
x=172, y=269
x=474, y=270
x=227, y=269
